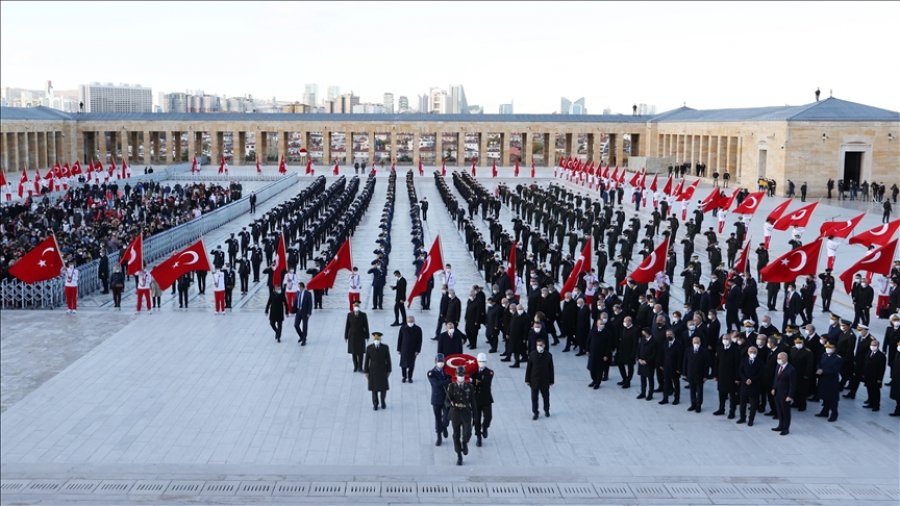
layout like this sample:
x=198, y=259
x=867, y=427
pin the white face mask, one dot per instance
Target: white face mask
x=481, y=365
x=760, y=342
x=726, y=342
x=873, y=348
x=537, y=328
x=439, y=365
x=356, y=310
x=675, y=320
x=692, y=327
x=780, y=362
x=752, y=356
x=896, y=323
x=696, y=347
x=798, y=346
x=540, y=349
x=830, y=351
x=377, y=342
x=460, y=379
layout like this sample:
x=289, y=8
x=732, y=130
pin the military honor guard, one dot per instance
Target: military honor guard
x=377, y=367
x=356, y=333
x=460, y=397
x=482, y=380
x=439, y=381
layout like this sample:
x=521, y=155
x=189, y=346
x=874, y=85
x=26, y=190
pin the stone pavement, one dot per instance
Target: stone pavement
x=186, y=407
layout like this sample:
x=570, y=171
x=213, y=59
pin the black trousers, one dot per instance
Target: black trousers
x=357, y=361
x=461, y=419
x=826, y=300
x=117, y=297
x=647, y=380
x=426, y=299
x=182, y=297
x=860, y=315
x=751, y=397
x=376, y=394
x=472, y=335
x=483, y=416
x=276, y=326
x=407, y=372
x=378, y=298
x=201, y=283
x=783, y=410
x=492, y=337
x=300, y=327
x=732, y=401
x=105, y=281
x=627, y=372
x=696, y=393
x=544, y=390
x=399, y=312
x=671, y=385
x=874, y=391
x=245, y=280
x=228, y=297
x=441, y=418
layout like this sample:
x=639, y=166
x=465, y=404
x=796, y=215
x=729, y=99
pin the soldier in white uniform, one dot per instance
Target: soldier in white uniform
x=71, y=287
x=355, y=287
x=143, y=289
x=448, y=278
x=218, y=279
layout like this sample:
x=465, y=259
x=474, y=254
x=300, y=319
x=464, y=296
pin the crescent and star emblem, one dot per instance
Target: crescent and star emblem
x=193, y=254
x=754, y=200
x=799, y=214
x=133, y=256
x=787, y=261
x=881, y=230
x=42, y=262
x=649, y=264
x=871, y=259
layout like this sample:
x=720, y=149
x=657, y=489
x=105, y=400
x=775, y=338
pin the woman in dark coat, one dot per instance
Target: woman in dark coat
x=598, y=346
x=377, y=366
x=409, y=345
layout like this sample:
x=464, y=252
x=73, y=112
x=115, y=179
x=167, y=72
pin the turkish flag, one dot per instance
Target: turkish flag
x=282, y=168
x=778, y=211
x=222, y=165
x=750, y=203
x=742, y=264
x=37, y=264
x=76, y=168
x=451, y=362
x=516, y=169
x=443, y=168
x=2, y=177
x=434, y=262
x=582, y=265
x=325, y=279
x=22, y=181
x=309, y=166
x=133, y=256
x=711, y=201
x=473, y=167
x=688, y=193
x=879, y=235
x=190, y=259
x=494, y=169
x=112, y=167
x=90, y=166
x=653, y=184
x=615, y=174
x=678, y=189
x=124, y=168
x=606, y=172
x=194, y=165
x=877, y=261
x=258, y=168
x=280, y=261
x=802, y=261
x=421, y=168
x=336, y=170
x=725, y=202
x=656, y=262
x=511, y=266
x=532, y=168
x=839, y=228
x=621, y=176
x=798, y=218
x=635, y=179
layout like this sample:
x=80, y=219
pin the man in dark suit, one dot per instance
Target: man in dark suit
x=399, y=299
x=409, y=345
x=356, y=333
x=302, y=312
x=539, y=376
x=784, y=387
x=750, y=374
x=450, y=342
x=829, y=388
x=626, y=351
x=276, y=308
x=518, y=333
x=792, y=306
x=482, y=380
x=804, y=367
x=873, y=375
x=671, y=362
x=439, y=381
x=377, y=367
x=474, y=318
x=442, y=312
x=696, y=365
x=454, y=308
x=493, y=323
x=728, y=359
x=647, y=357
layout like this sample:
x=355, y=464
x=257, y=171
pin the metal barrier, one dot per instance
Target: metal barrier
x=50, y=294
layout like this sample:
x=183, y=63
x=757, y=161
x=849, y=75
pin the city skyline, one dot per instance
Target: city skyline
x=766, y=61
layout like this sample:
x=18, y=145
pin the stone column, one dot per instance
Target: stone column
x=242, y=145
x=326, y=147
x=728, y=153
x=549, y=151
x=54, y=148
x=392, y=150
x=612, y=143
x=42, y=149
x=156, y=157
x=371, y=134
x=460, y=148
x=505, y=143
x=32, y=149
x=191, y=146
x=348, y=148
x=416, y=156
x=637, y=147
x=528, y=153
x=620, y=150
x=147, y=144
x=482, y=148
x=4, y=156
x=282, y=146
x=18, y=159
x=438, y=147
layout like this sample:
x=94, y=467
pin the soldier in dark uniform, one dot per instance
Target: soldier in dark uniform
x=539, y=376
x=233, y=244
x=482, y=380
x=829, y=386
x=276, y=308
x=244, y=273
x=229, y=285
x=439, y=381
x=356, y=333
x=459, y=397
x=184, y=284
x=377, y=367
x=827, y=289
x=409, y=345
x=256, y=259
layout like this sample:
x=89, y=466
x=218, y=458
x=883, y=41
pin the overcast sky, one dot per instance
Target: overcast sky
x=707, y=55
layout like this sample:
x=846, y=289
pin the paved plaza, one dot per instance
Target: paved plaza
x=108, y=407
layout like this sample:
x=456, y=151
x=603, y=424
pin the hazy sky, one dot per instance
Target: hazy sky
x=708, y=55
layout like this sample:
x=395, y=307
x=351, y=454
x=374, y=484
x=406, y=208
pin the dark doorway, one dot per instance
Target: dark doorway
x=852, y=165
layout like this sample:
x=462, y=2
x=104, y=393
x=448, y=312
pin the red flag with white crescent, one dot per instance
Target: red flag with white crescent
x=451, y=362
x=802, y=261
x=877, y=261
x=839, y=228
x=434, y=262
x=798, y=218
x=750, y=203
x=688, y=193
x=778, y=211
x=282, y=167
x=511, y=265
x=280, y=261
x=42, y=263
x=653, y=184
x=193, y=258
x=582, y=265
x=133, y=256
x=325, y=279
x=651, y=265
x=879, y=235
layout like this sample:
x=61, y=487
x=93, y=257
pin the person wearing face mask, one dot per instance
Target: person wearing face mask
x=863, y=295
x=829, y=384
x=539, y=377
x=647, y=358
x=672, y=360
x=626, y=351
x=482, y=381
x=891, y=339
x=450, y=342
x=599, y=350
x=860, y=354
x=792, y=306
x=356, y=333
x=409, y=345
x=783, y=390
x=727, y=363
x=815, y=343
x=873, y=375
x=442, y=312
x=399, y=289
x=582, y=326
x=750, y=374
x=493, y=323
x=439, y=381
x=537, y=331
x=846, y=348
x=696, y=365
x=804, y=366
x=895, y=379
x=459, y=400
x=834, y=328
x=377, y=367
x=454, y=308
x=568, y=321
x=276, y=307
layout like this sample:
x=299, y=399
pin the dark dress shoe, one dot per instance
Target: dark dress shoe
x=821, y=414
x=784, y=433
x=741, y=421
x=719, y=412
x=596, y=386
x=750, y=423
x=691, y=408
x=776, y=429
x=478, y=442
x=507, y=359
x=459, y=459
x=484, y=432
x=664, y=401
x=547, y=414
x=438, y=442
x=514, y=366
x=534, y=416
x=675, y=403
x=375, y=407
x=446, y=434
x=642, y=396
x=834, y=418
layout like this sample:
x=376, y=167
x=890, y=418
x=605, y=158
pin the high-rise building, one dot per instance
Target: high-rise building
x=646, y=110
x=403, y=104
x=310, y=94
x=109, y=98
x=342, y=104
x=334, y=92
x=368, y=109
x=506, y=108
x=568, y=107
x=423, y=103
x=389, y=103
x=174, y=102
x=438, y=101
x=458, y=103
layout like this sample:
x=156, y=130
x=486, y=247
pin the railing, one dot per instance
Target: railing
x=49, y=294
